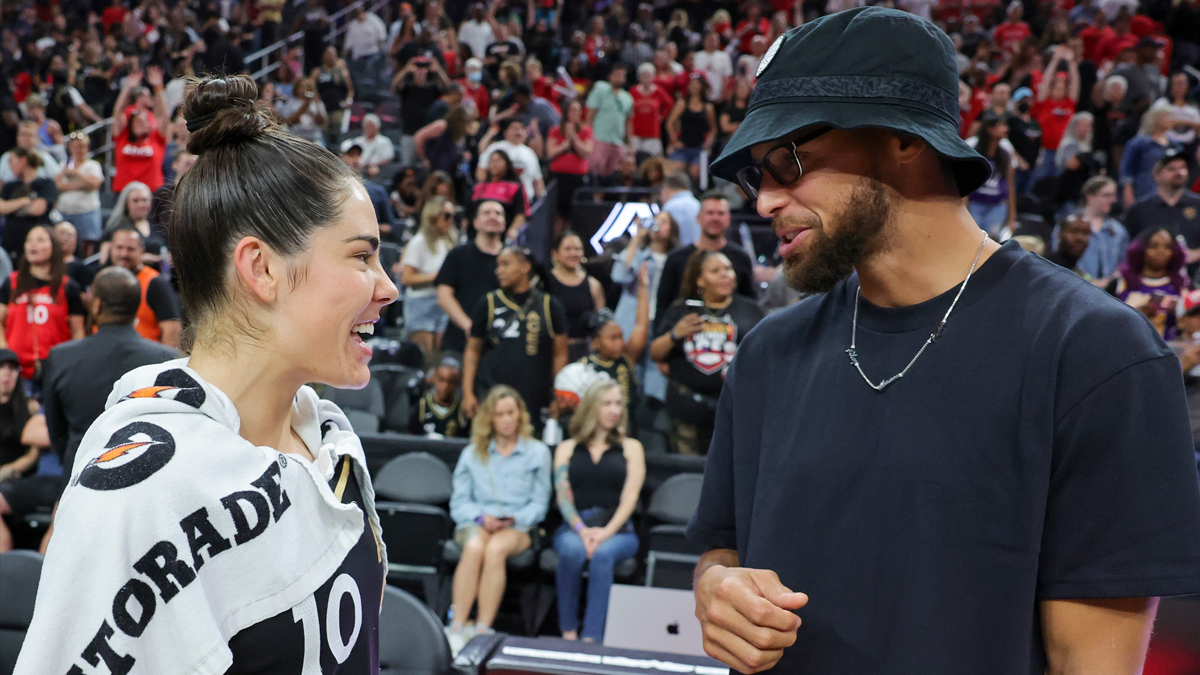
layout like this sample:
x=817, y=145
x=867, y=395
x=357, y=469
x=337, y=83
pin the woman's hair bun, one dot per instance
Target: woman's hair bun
x=222, y=111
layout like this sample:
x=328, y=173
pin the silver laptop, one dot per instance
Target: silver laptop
x=654, y=620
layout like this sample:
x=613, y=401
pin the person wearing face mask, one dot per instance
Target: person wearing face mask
x=1025, y=134
x=473, y=87
x=264, y=522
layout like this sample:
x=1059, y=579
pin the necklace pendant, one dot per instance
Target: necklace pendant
x=853, y=355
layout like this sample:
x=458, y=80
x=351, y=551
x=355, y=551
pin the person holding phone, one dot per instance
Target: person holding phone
x=501, y=491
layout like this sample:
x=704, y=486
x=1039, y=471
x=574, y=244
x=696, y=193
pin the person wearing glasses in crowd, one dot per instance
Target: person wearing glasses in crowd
x=948, y=507
x=418, y=269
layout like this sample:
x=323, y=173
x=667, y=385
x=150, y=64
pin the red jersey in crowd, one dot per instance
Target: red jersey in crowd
x=1008, y=35
x=1109, y=48
x=1092, y=38
x=38, y=320
x=477, y=93
x=763, y=28
x=569, y=162
x=1054, y=114
x=649, y=110
x=141, y=161
x=543, y=87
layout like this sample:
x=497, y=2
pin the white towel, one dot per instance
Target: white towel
x=176, y=533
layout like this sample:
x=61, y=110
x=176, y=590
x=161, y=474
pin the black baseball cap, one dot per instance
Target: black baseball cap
x=9, y=356
x=1169, y=155
x=864, y=67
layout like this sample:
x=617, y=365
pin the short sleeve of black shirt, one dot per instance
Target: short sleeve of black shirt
x=74, y=299
x=5, y=291
x=558, y=316
x=161, y=299
x=479, y=318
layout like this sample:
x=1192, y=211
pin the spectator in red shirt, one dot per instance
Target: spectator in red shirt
x=1094, y=36
x=569, y=145
x=1009, y=34
x=473, y=88
x=1056, y=97
x=139, y=145
x=114, y=15
x=543, y=86
x=665, y=75
x=651, y=105
x=1110, y=47
x=754, y=24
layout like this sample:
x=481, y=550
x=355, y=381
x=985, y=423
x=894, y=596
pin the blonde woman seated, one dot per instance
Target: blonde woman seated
x=501, y=492
x=598, y=475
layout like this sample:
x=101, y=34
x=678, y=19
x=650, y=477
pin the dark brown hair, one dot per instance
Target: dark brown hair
x=251, y=178
x=691, y=274
x=26, y=282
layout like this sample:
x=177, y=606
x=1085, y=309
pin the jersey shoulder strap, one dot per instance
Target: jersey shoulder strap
x=549, y=319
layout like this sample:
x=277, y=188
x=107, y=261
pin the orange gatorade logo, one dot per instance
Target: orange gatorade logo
x=132, y=455
x=175, y=385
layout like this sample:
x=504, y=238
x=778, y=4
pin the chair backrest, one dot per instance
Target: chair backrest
x=416, y=477
x=415, y=534
x=411, y=640
x=19, y=575
x=368, y=399
x=362, y=421
x=401, y=385
x=676, y=499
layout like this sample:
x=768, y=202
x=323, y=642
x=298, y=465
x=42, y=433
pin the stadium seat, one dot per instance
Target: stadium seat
x=411, y=641
x=362, y=421
x=672, y=506
x=19, y=575
x=401, y=386
x=413, y=490
x=369, y=399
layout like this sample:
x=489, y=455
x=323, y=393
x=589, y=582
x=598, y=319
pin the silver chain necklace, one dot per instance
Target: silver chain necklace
x=853, y=351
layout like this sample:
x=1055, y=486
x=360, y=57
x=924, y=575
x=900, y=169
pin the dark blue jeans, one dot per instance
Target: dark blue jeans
x=572, y=558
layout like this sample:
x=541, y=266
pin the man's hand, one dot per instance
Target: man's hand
x=746, y=616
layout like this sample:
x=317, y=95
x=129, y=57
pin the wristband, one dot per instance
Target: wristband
x=479, y=520
x=579, y=527
x=674, y=337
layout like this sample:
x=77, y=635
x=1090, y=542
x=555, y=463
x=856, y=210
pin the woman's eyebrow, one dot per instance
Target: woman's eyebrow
x=370, y=239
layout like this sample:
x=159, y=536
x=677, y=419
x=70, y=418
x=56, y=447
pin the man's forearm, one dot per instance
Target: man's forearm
x=723, y=557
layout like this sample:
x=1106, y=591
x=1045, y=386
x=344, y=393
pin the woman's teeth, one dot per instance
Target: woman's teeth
x=364, y=328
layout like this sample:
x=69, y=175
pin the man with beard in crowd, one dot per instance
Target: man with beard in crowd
x=970, y=459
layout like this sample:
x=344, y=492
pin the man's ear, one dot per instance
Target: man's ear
x=259, y=268
x=906, y=148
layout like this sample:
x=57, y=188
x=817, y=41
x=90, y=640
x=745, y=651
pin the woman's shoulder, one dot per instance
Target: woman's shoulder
x=632, y=446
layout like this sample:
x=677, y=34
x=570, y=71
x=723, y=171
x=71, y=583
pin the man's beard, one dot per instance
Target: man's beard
x=829, y=259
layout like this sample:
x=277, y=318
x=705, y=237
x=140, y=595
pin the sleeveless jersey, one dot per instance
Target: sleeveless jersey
x=519, y=348
x=36, y=322
x=451, y=423
x=334, y=630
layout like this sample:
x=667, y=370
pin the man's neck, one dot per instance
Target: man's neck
x=1170, y=195
x=707, y=242
x=489, y=242
x=926, y=249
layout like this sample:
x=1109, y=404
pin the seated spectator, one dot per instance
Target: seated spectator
x=79, y=193
x=406, y=192
x=17, y=458
x=647, y=251
x=68, y=241
x=158, y=317
x=1143, y=152
x=518, y=338
x=598, y=477
x=26, y=201
x=418, y=269
x=1153, y=277
x=524, y=160
x=439, y=412
x=40, y=306
x=1106, y=247
x=27, y=138
x=617, y=357
x=651, y=173
x=132, y=210
x=697, y=338
x=139, y=144
x=377, y=149
x=1073, y=239
x=1186, y=346
x=305, y=114
x=469, y=273
x=568, y=148
x=442, y=144
x=502, y=185
x=501, y=492
x=437, y=184
x=580, y=293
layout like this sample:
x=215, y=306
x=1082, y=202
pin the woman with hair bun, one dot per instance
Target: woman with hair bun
x=219, y=517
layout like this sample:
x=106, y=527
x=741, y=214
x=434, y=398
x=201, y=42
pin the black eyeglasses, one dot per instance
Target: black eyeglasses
x=781, y=162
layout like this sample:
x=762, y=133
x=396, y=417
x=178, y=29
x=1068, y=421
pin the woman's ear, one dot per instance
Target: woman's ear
x=259, y=268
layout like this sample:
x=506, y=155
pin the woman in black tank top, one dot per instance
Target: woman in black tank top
x=692, y=126
x=579, y=293
x=598, y=475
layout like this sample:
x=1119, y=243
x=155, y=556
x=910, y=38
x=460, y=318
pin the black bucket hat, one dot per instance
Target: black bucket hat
x=864, y=67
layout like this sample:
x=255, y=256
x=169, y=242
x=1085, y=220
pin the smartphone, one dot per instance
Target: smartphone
x=691, y=302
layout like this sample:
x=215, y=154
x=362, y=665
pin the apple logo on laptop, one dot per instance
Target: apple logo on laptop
x=673, y=628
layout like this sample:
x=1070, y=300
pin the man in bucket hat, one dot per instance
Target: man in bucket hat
x=956, y=457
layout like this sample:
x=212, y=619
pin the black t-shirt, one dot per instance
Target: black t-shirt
x=281, y=645
x=8, y=135
x=415, y=101
x=1039, y=450
x=11, y=426
x=17, y=225
x=471, y=273
x=161, y=299
x=518, y=332
x=676, y=265
x=79, y=272
x=71, y=290
x=1183, y=218
x=1026, y=138
x=698, y=363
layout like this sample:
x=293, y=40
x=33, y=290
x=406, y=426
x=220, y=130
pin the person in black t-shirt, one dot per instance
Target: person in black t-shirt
x=1172, y=206
x=518, y=338
x=972, y=460
x=714, y=222
x=419, y=84
x=468, y=273
x=26, y=201
x=1073, y=239
x=439, y=412
x=697, y=337
x=16, y=459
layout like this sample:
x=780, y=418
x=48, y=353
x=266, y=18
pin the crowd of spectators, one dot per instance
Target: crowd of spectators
x=459, y=115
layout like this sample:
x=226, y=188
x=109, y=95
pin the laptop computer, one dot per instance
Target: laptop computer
x=653, y=620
